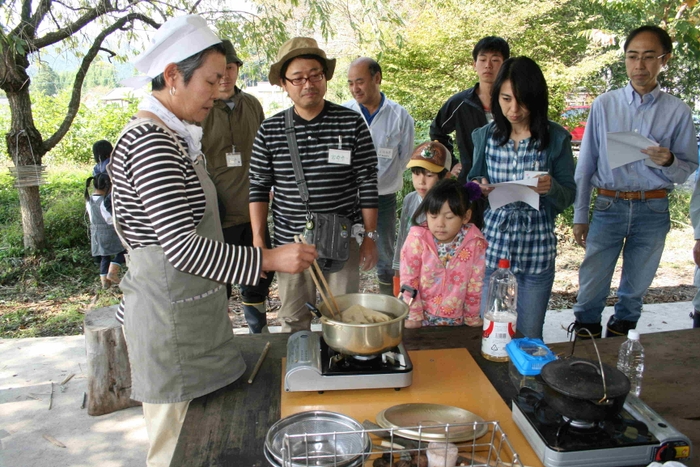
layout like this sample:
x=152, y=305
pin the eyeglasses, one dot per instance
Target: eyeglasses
x=301, y=81
x=644, y=58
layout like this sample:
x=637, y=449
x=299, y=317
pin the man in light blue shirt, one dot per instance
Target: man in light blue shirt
x=631, y=209
x=695, y=219
x=392, y=134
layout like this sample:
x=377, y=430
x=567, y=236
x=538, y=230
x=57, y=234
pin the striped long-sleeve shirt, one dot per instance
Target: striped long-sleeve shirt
x=342, y=189
x=159, y=201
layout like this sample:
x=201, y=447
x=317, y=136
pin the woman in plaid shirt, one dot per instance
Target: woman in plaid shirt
x=519, y=141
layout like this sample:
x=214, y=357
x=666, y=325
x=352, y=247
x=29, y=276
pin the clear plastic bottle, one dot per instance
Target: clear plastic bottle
x=501, y=313
x=630, y=361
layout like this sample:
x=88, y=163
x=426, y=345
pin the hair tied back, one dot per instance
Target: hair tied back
x=473, y=191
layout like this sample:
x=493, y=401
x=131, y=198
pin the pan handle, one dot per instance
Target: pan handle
x=604, y=400
x=407, y=288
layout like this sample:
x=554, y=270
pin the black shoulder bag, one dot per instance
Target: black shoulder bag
x=329, y=232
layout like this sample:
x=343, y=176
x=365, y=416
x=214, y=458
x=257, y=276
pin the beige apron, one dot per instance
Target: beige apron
x=178, y=333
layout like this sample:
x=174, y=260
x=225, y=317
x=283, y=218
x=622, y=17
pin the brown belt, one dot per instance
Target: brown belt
x=653, y=194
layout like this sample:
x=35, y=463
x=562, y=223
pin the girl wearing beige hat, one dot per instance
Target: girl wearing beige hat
x=174, y=308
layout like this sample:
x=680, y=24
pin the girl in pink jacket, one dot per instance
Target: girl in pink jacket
x=443, y=259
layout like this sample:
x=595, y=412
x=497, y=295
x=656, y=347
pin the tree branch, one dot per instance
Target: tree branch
x=57, y=36
x=38, y=16
x=74, y=104
x=26, y=11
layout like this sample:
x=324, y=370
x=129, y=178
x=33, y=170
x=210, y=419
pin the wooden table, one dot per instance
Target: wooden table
x=228, y=427
x=671, y=383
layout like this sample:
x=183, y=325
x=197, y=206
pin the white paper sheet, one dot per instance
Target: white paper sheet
x=516, y=190
x=625, y=147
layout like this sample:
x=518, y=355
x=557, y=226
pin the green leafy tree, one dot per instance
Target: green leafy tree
x=680, y=18
x=26, y=33
x=82, y=28
x=46, y=80
x=101, y=74
x=434, y=60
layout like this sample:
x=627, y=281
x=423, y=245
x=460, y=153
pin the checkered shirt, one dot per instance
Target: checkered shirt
x=516, y=231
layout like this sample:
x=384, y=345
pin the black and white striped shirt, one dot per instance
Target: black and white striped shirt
x=158, y=200
x=333, y=188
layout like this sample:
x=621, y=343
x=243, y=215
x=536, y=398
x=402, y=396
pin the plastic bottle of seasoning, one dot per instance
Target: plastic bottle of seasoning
x=630, y=361
x=501, y=313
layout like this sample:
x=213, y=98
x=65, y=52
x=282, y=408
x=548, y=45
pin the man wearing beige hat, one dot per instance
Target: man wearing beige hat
x=227, y=143
x=339, y=168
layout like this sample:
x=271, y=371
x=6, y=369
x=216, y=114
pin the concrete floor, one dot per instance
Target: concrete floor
x=28, y=366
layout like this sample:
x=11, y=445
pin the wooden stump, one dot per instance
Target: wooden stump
x=109, y=372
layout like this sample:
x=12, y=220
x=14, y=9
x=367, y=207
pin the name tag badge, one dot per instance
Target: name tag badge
x=233, y=159
x=533, y=173
x=387, y=153
x=339, y=156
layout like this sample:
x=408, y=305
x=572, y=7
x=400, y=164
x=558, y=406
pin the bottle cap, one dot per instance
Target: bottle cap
x=503, y=263
x=633, y=334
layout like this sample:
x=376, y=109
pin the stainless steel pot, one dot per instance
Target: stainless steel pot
x=365, y=339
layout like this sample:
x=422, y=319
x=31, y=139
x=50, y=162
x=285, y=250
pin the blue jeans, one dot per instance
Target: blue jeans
x=386, y=228
x=534, y=291
x=638, y=228
x=105, y=261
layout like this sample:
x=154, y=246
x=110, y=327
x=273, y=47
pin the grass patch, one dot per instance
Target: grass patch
x=46, y=293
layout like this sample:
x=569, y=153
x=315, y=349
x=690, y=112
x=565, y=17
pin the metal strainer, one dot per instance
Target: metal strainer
x=317, y=438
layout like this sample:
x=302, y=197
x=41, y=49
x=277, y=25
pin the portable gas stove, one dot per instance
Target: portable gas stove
x=635, y=437
x=313, y=366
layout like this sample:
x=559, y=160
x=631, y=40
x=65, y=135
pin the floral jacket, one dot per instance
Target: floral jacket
x=451, y=290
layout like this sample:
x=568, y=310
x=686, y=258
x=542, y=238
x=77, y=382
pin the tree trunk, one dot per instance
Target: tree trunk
x=109, y=372
x=26, y=147
x=32, y=217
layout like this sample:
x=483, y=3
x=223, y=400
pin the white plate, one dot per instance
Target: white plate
x=407, y=417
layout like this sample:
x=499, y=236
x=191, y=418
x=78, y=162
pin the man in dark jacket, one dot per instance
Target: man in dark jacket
x=227, y=143
x=471, y=109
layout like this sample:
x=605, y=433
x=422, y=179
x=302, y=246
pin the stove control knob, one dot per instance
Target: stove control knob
x=672, y=450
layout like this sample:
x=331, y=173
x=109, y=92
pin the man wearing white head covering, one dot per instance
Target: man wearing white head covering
x=174, y=308
x=339, y=163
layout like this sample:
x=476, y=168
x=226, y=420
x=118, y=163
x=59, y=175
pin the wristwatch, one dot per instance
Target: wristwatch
x=372, y=234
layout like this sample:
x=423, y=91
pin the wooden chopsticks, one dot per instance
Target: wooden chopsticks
x=331, y=304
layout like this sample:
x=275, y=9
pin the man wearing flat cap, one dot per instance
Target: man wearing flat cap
x=339, y=166
x=227, y=143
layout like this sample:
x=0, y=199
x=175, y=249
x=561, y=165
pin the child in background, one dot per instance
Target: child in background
x=104, y=239
x=443, y=258
x=429, y=163
x=101, y=151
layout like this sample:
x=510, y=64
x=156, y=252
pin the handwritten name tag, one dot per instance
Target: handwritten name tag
x=233, y=159
x=339, y=156
x=387, y=153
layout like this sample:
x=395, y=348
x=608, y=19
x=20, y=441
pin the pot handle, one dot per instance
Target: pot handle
x=579, y=362
x=313, y=309
x=601, y=372
x=406, y=288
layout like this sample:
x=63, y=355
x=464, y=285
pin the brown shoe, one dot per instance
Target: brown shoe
x=106, y=283
x=113, y=273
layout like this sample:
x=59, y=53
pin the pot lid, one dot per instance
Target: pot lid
x=580, y=378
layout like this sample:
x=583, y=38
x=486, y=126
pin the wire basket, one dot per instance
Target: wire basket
x=489, y=447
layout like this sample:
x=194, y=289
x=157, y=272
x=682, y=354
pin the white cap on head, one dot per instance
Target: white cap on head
x=177, y=39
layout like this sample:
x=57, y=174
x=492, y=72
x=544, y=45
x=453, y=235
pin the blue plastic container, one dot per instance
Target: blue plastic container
x=527, y=357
